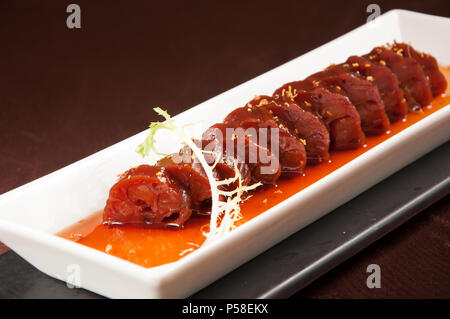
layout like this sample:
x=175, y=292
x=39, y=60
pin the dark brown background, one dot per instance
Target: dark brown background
x=65, y=94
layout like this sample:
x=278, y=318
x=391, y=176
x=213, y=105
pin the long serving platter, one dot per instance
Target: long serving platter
x=31, y=214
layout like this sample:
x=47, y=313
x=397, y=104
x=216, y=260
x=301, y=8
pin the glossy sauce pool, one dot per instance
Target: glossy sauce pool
x=150, y=247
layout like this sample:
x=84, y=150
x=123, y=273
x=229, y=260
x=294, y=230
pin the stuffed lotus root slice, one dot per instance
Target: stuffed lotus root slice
x=289, y=149
x=436, y=79
x=145, y=195
x=307, y=127
x=265, y=166
x=363, y=94
x=341, y=117
x=191, y=175
x=215, y=153
x=241, y=146
x=336, y=111
x=410, y=74
x=388, y=85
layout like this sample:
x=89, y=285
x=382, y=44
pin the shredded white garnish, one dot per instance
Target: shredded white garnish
x=225, y=207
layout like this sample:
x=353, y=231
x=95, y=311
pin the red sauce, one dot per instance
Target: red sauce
x=153, y=247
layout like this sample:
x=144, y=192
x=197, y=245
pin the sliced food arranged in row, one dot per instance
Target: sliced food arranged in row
x=280, y=135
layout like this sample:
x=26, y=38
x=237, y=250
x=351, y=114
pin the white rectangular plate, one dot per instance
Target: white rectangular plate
x=31, y=214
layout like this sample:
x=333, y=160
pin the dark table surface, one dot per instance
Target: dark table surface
x=67, y=93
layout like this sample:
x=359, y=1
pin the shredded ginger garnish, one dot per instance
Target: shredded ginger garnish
x=225, y=208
